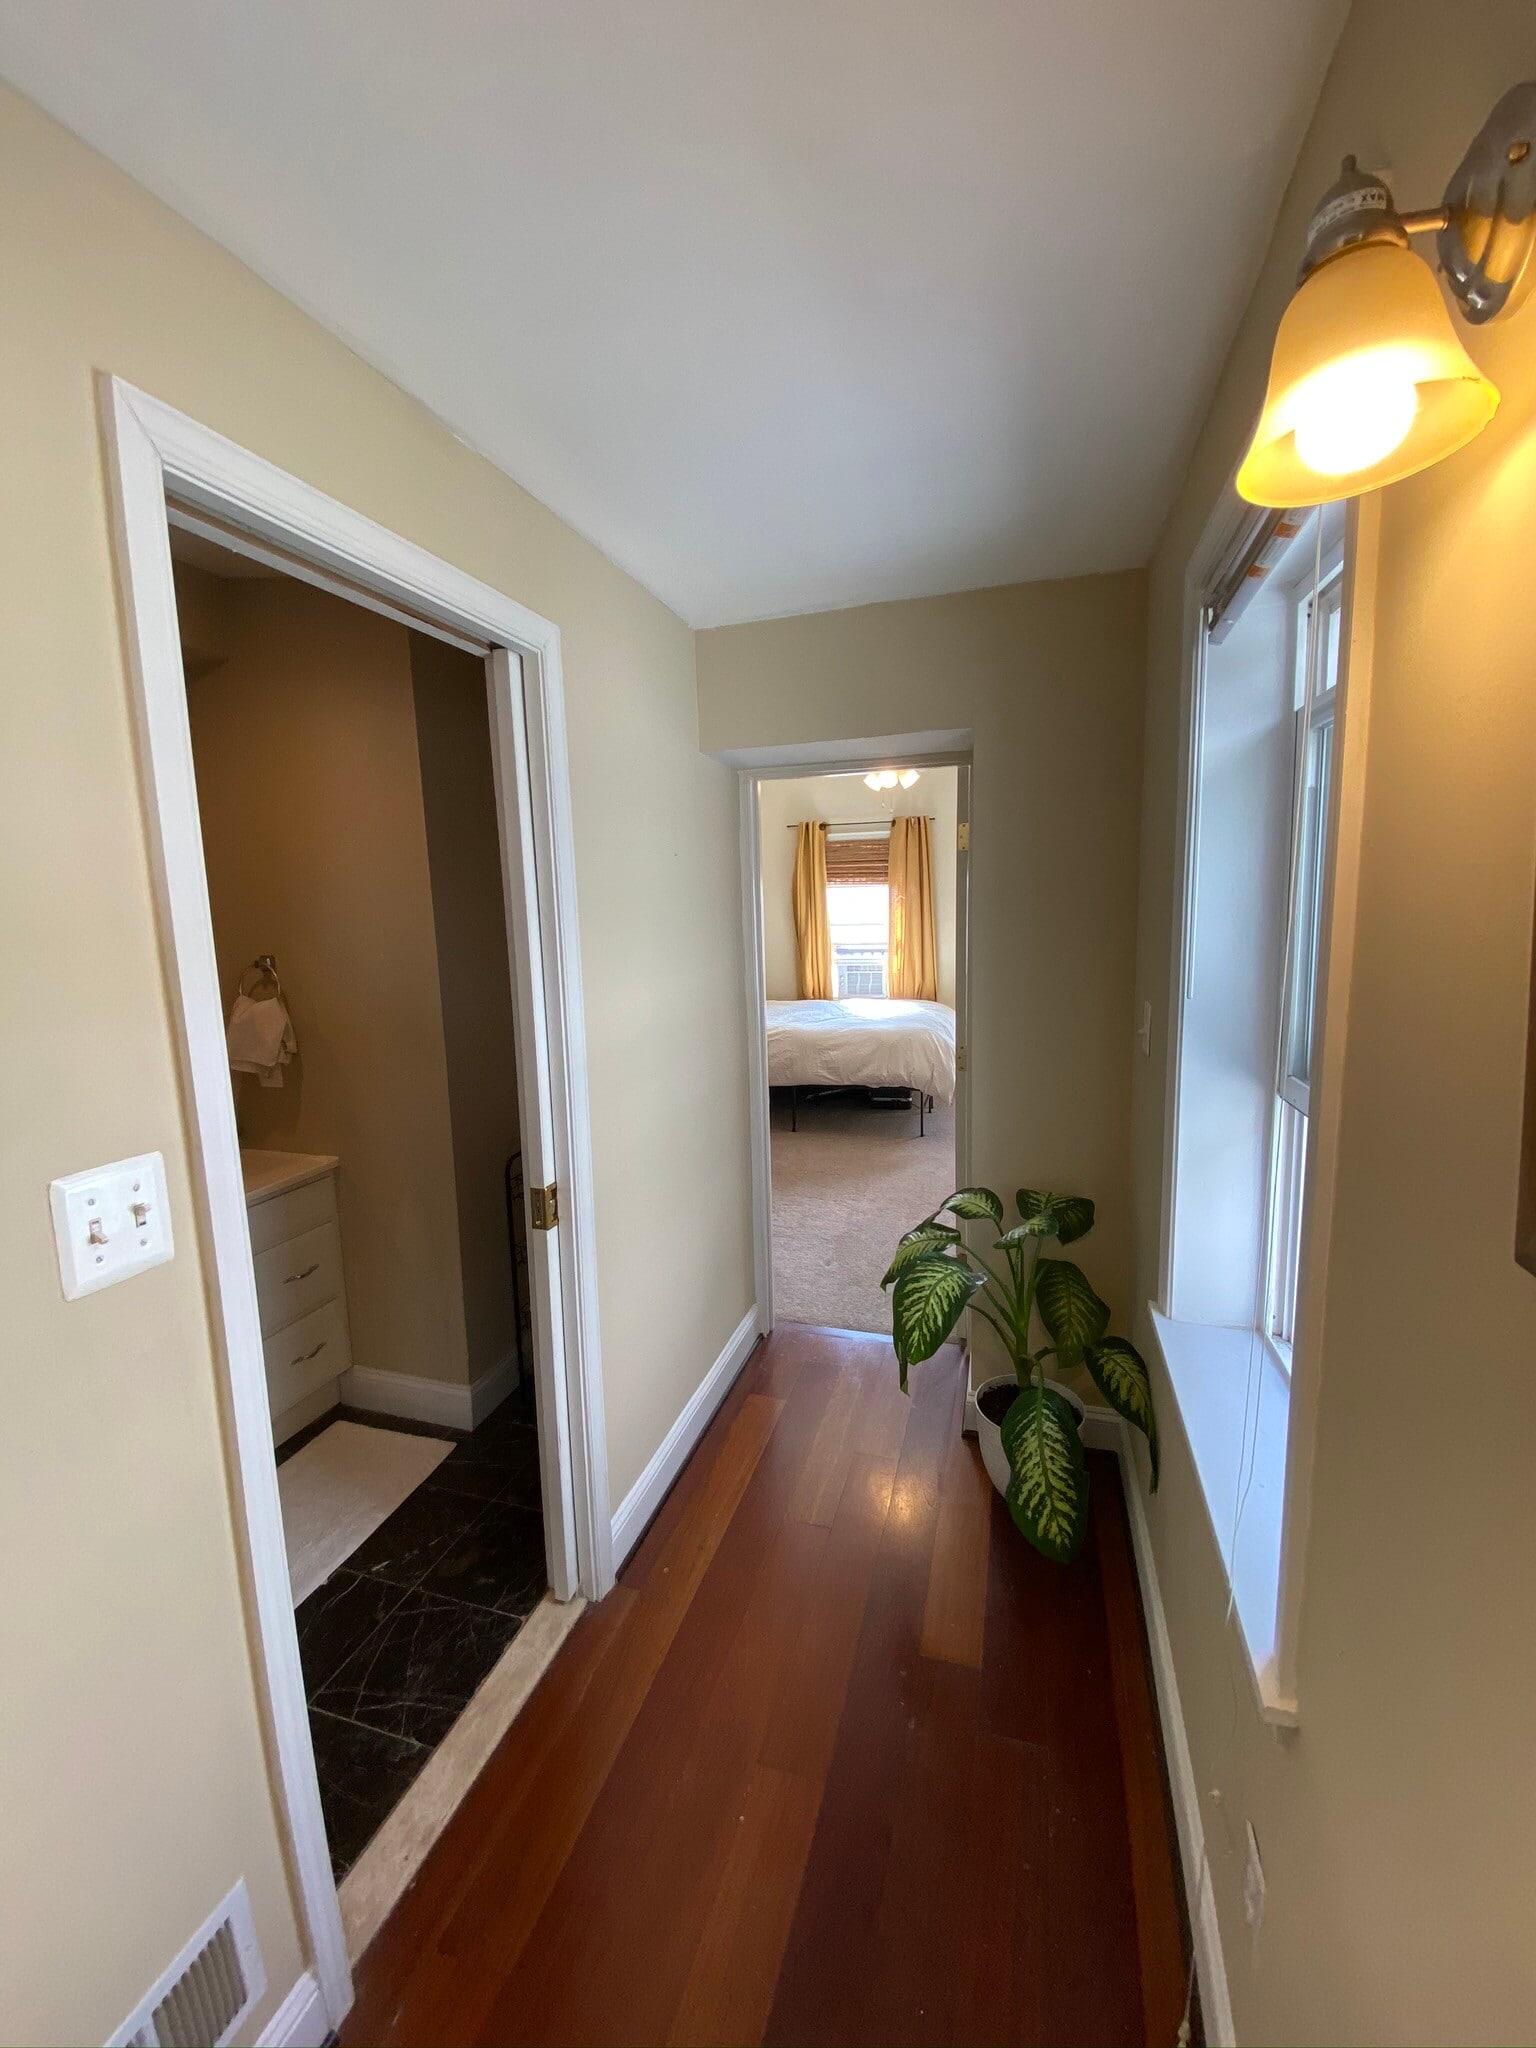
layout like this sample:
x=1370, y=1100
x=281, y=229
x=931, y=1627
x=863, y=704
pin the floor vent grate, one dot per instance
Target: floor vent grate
x=205, y=1994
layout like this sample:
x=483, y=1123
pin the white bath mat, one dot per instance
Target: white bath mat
x=338, y=1489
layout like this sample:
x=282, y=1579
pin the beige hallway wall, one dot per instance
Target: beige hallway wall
x=128, y=1685
x=1049, y=679
x=314, y=833
x=1397, y=1824
x=788, y=801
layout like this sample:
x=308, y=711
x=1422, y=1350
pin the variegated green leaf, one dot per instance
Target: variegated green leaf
x=1048, y=1492
x=1033, y=1202
x=1069, y=1308
x=1120, y=1374
x=974, y=1203
x=930, y=1293
x=926, y=1237
x=1074, y=1217
x=1034, y=1226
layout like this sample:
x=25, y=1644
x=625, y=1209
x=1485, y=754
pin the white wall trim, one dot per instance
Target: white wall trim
x=1105, y=1431
x=299, y=2021
x=676, y=1447
x=152, y=449
x=754, y=956
x=446, y=1403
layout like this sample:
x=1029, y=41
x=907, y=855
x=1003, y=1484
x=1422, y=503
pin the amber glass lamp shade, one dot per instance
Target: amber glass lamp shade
x=1368, y=383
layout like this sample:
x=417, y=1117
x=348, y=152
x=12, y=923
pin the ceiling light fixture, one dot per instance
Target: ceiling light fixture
x=1369, y=381
x=891, y=778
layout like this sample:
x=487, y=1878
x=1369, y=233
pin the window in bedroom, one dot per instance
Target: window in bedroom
x=859, y=914
x=858, y=909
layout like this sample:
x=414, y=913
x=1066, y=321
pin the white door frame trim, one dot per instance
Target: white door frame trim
x=152, y=448
x=923, y=750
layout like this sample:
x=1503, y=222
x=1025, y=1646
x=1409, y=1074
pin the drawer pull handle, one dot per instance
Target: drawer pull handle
x=305, y=1356
x=303, y=1274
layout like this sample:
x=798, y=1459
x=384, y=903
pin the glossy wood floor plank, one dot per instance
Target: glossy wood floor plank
x=955, y=1611
x=840, y=1760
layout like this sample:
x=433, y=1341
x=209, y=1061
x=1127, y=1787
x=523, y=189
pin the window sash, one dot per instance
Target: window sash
x=1317, y=690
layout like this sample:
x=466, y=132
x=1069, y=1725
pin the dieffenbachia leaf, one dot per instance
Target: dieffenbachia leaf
x=1048, y=1490
x=1070, y=1310
x=926, y=1237
x=1033, y=1226
x=1120, y=1373
x=974, y=1203
x=1074, y=1217
x=1067, y=1217
x=931, y=1291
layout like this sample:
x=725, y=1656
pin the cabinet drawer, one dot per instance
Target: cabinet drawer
x=305, y=1355
x=283, y=1216
x=294, y=1277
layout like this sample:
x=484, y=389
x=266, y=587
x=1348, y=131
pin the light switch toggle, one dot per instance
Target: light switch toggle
x=110, y=1222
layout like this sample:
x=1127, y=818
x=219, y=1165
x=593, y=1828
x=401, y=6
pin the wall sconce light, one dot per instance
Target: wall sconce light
x=1369, y=381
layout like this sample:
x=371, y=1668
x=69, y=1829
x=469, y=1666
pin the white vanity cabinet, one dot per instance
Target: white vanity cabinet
x=301, y=1291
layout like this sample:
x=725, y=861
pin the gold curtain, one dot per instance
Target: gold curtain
x=913, y=967
x=813, y=934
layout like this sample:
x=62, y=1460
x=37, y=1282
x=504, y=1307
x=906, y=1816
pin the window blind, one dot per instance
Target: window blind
x=858, y=860
x=1242, y=575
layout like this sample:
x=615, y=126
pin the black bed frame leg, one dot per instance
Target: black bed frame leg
x=794, y=1109
x=922, y=1105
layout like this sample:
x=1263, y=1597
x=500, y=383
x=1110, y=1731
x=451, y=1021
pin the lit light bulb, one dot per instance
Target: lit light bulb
x=882, y=778
x=907, y=777
x=1351, y=414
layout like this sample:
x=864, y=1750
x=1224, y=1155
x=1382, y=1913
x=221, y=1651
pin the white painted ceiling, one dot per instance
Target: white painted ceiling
x=786, y=304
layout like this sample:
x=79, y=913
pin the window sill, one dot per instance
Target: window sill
x=1207, y=1366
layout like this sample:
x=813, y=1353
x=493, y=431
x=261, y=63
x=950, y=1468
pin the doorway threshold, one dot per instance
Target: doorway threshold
x=384, y=1872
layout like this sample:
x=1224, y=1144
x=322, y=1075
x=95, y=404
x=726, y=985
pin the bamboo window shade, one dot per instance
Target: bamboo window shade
x=858, y=860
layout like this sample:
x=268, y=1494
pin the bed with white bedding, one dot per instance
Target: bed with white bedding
x=863, y=1042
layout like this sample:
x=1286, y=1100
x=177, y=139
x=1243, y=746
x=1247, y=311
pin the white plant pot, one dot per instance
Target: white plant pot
x=990, y=1434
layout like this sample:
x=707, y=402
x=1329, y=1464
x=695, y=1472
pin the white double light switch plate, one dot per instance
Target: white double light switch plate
x=110, y=1222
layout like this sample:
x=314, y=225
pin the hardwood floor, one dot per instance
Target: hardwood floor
x=840, y=1759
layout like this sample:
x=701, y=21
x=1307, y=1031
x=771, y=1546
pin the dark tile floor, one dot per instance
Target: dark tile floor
x=395, y=1641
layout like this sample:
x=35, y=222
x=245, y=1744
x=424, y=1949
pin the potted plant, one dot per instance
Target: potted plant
x=1030, y=1427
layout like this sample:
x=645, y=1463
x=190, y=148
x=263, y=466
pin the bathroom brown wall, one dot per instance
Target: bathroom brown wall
x=458, y=795
x=305, y=744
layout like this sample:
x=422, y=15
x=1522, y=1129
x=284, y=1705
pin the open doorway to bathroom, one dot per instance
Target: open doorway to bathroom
x=861, y=877
x=348, y=807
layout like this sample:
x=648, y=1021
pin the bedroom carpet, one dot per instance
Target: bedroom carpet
x=845, y=1187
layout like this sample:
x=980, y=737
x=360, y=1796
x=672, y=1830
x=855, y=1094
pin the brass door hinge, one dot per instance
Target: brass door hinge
x=963, y=837
x=544, y=1207
x=959, y=1059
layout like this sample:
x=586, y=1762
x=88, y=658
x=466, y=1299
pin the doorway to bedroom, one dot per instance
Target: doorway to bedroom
x=861, y=876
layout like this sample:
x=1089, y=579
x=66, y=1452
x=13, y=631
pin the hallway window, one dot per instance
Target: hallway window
x=859, y=914
x=1316, y=639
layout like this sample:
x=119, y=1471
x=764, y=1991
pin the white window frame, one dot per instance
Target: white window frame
x=841, y=958
x=1275, y=1672
x=1317, y=598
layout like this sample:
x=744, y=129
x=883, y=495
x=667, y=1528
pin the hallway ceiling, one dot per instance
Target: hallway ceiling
x=786, y=304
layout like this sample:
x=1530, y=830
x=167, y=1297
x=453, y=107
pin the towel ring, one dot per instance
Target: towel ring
x=264, y=967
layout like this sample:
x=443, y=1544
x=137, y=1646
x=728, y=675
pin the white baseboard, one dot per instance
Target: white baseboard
x=650, y=1489
x=449, y=1404
x=1104, y=1430
x=300, y=2021
x=492, y=1388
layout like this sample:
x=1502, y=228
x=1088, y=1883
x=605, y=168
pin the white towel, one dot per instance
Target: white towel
x=260, y=1039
